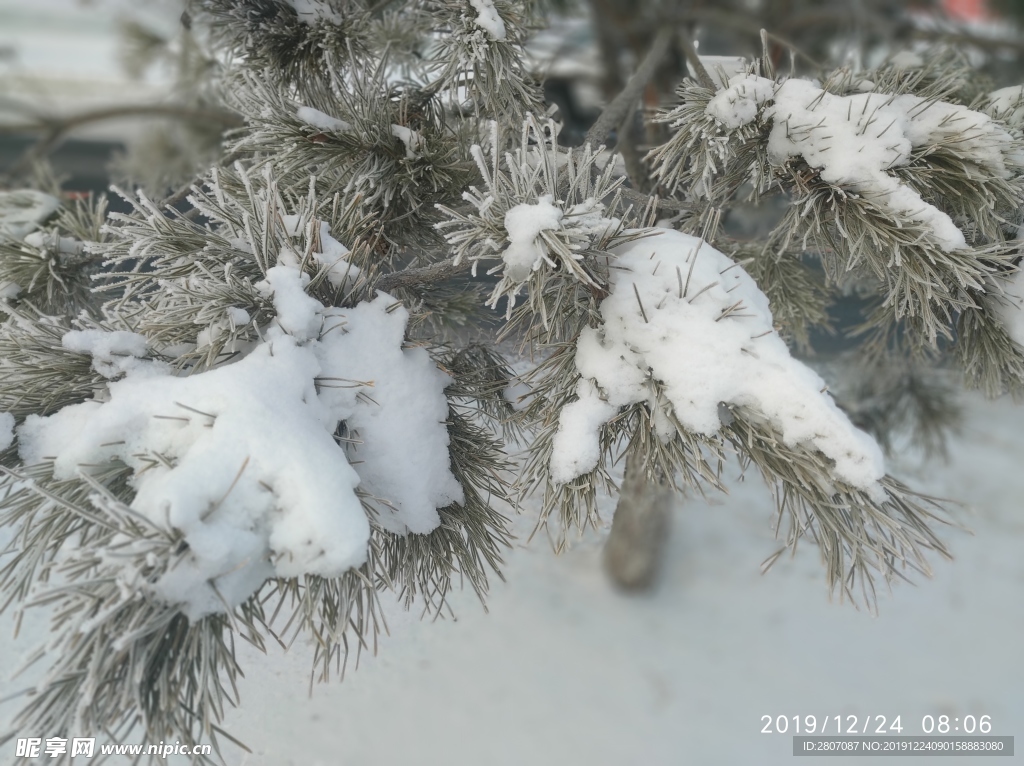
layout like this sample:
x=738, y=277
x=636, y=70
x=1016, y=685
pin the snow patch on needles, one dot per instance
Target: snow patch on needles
x=395, y=420
x=524, y=224
x=242, y=459
x=298, y=313
x=855, y=141
x=488, y=19
x=412, y=140
x=239, y=459
x=681, y=313
x=114, y=354
x=317, y=119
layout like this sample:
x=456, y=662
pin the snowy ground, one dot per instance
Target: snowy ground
x=564, y=670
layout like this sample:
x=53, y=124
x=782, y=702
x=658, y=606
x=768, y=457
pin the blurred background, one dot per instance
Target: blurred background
x=564, y=669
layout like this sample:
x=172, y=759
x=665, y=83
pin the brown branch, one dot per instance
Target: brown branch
x=423, y=275
x=622, y=105
x=694, y=60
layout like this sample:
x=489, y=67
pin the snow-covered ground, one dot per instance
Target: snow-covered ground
x=565, y=670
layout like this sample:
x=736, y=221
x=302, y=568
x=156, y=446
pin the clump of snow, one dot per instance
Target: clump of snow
x=392, y=400
x=22, y=210
x=298, y=314
x=1007, y=104
x=9, y=290
x=738, y=104
x=333, y=256
x=239, y=459
x=114, y=354
x=524, y=223
x=682, y=313
x=314, y=11
x=410, y=138
x=318, y=119
x=488, y=19
x=242, y=459
x=63, y=245
x=238, y=316
x=855, y=140
x=6, y=430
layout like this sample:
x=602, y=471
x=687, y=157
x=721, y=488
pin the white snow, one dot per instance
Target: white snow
x=114, y=354
x=688, y=316
x=333, y=256
x=410, y=138
x=524, y=223
x=240, y=459
x=738, y=104
x=318, y=119
x=488, y=19
x=64, y=245
x=298, y=313
x=855, y=140
x=6, y=430
x=239, y=316
x=9, y=290
x=1007, y=104
x=396, y=420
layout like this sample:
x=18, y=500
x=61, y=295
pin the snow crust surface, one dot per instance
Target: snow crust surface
x=854, y=141
x=681, y=313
